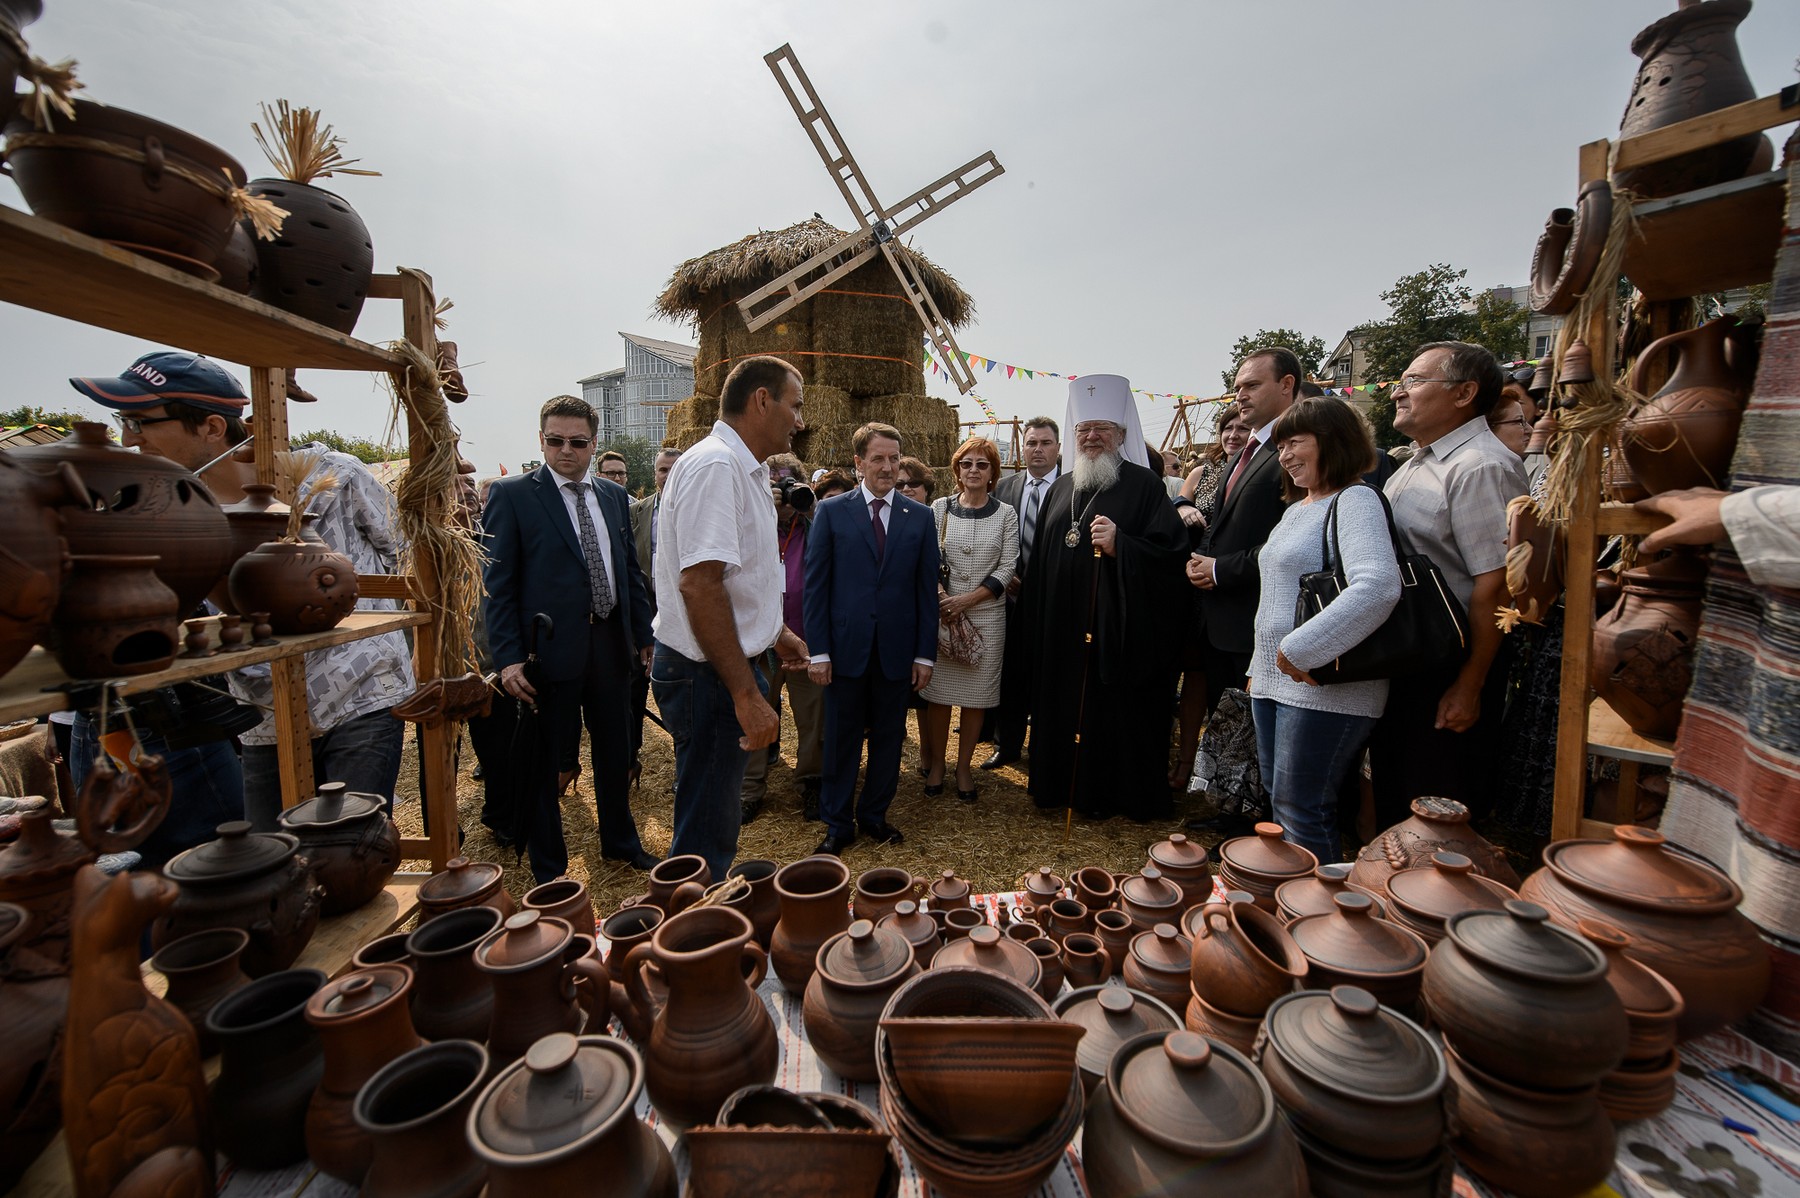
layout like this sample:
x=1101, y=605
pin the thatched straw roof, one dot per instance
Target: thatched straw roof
x=749, y=263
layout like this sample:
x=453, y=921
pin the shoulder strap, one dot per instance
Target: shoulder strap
x=943, y=519
x=1331, y=526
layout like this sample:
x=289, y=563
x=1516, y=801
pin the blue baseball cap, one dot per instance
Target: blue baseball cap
x=168, y=375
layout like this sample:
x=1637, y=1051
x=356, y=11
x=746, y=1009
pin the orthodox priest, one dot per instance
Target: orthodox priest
x=1102, y=604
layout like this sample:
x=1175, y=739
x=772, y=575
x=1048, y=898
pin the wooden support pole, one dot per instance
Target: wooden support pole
x=293, y=714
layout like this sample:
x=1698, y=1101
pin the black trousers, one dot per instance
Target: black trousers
x=1225, y=671
x=491, y=737
x=1012, y=717
x=852, y=705
x=1410, y=757
x=600, y=697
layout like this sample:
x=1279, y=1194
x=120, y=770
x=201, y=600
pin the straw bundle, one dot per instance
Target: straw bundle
x=299, y=147
x=696, y=411
x=867, y=334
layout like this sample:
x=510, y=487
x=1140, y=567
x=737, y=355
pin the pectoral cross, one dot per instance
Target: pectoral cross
x=1090, y=388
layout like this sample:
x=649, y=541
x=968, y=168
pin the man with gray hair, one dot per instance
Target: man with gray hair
x=1103, y=603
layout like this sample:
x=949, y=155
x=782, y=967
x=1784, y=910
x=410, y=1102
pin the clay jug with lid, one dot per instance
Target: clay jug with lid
x=563, y=1118
x=350, y=840
x=815, y=906
x=1042, y=886
x=1351, y=946
x=35, y=557
x=115, y=617
x=1422, y=898
x=451, y=998
x=1158, y=964
x=545, y=977
x=1651, y=1004
x=464, y=883
x=1681, y=914
x=1318, y=894
x=1690, y=66
x=255, y=520
x=1183, y=862
x=858, y=972
x=1685, y=434
x=258, y=881
x=270, y=1062
x=1148, y=899
x=1258, y=864
x=920, y=930
x=1110, y=1016
x=1644, y=647
x=362, y=1022
x=985, y=948
x=949, y=892
x=414, y=1111
x=304, y=587
x=713, y=1035
x=1242, y=959
x=1435, y=825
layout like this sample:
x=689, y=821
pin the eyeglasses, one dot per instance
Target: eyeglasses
x=908, y=484
x=973, y=464
x=620, y=473
x=1409, y=381
x=1520, y=421
x=137, y=424
x=572, y=442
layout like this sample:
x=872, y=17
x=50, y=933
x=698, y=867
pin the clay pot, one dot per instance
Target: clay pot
x=115, y=617
x=1241, y=959
x=1691, y=66
x=879, y=890
x=135, y=500
x=1317, y=895
x=414, y=1111
x=270, y=1062
x=1095, y=888
x=464, y=883
x=918, y=928
x=1041, y=886
x=1108, y=1017
x=35, y=557
x=567, y=900
x=1644, y=647
x=1352, y=947
x=1158, y=964
x=1239, y=1031
x=764, y=906
x=1425, y=896
x=37, y=872
x=383, y=950
x=724, y=1161
x=1177, y=1106
x=237, y=262
x=858, y=971
x=713, y=1034
x=362, y=1023
x=304, y=587
x=1085, y=960
x=1333, y=1174
x=1149, y=899
x=1651, y=1004
x=1532, y=1143
x=1525, y=1000
x=451, y=998
x=139, y=203
x=669, y=876
x=352, y=844
x=1184, y=862
x=624, y=930
x=1050, y=967
x=538, y=968
x=1064, y=916
x=1685, y=434
x=1640, y=1089
x=257, y=881
x=200, y=970
x=983, y=1082
x=960, y=922
x=1260, y=863
x=1435, y=825
x=1567, y=254
x=1680, y=913
x=1356, y=1077
x=1115, y=929
x=815, y=906
x=986, y=948
x=254, y=520
x=320, y=264
x=948, y=892
x=1022, y=929
x=31, y=1069
x=566, y=1115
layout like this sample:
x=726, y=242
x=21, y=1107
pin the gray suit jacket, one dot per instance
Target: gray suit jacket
x=641, y=515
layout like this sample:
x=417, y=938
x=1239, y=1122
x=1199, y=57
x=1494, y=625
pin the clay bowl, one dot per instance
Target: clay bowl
x=1013, y=1175
x=960, y=921
x=965, y=990
x=983, y=1081
x=1334, y=1174
x=1640, y=1089
x=1535, y=1143
x=1235, y=1030
x=727, y=1161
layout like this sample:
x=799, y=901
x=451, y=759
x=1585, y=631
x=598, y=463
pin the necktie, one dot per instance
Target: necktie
x=1249, y=452
x=1028, y=524
x=590, y=549
x=880, y=531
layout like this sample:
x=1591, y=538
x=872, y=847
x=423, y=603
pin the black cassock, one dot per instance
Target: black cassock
x=1120, y=688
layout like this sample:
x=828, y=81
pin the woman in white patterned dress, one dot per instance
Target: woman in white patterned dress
x=979, y=544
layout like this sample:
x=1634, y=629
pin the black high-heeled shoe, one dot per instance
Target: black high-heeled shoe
x=969, y=795
x=933, y=789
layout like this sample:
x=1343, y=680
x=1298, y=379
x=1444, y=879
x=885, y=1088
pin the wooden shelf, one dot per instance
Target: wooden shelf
x=57, y=270
x=24, y=694
x=1609, y=736
x=1616, y=518
x=1713, y=239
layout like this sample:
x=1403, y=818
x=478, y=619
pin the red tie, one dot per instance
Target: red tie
x=1249, y=452
x=880, y=531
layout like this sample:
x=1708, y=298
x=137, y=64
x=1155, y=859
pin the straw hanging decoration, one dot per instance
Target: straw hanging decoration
x=299, y=147
x=53, y=84
x=292, y=467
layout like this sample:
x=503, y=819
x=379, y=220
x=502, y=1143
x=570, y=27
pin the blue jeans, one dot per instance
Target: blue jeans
x=363, y=753
x=709, y=766
x=206, y=783
x=1303, y=756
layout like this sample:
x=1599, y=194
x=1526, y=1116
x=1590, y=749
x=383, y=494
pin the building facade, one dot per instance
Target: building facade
x=634, y=400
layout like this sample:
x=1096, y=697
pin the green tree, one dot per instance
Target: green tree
x=1501, y=326
x=360, y=448
x=27, y=414
x=1310, y=350
x=640, y=462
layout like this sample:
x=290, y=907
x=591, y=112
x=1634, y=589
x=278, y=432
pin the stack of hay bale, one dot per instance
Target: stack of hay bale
x=858, y=344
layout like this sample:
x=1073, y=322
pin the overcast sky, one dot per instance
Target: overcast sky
x=1177, y=174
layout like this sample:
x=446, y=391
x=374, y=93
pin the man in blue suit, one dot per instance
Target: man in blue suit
x=559, y=542
x=871, y=615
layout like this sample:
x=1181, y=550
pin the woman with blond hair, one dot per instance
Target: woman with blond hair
x=978, y=548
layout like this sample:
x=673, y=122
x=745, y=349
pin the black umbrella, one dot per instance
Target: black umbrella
x=531, y=757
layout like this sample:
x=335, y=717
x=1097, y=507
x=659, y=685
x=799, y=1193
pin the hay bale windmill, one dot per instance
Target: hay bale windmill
x=845, y=308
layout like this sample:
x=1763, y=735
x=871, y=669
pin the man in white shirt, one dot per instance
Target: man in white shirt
x=719, y=579
x=1041, y=451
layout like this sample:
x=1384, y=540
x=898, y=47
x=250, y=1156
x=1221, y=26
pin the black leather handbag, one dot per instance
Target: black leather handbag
x=1427, y=629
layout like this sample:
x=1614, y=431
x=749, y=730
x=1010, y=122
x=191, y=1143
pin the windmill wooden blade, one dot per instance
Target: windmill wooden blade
x=936, y=327
x=806, y=280
x=825, y=139
x=935, y=197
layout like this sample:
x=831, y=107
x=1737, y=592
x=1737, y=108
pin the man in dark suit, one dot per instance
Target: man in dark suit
x=557, y=544
x=1246, y=508
x=871, y=623
x=643, y=536
x=1024, y=491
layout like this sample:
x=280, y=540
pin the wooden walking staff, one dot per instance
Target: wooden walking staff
x=1087, y=661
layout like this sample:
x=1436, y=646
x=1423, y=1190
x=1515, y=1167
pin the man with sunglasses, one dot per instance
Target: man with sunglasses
x=559, y=542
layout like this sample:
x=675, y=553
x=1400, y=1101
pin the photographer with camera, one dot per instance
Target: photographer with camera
x=793, y=517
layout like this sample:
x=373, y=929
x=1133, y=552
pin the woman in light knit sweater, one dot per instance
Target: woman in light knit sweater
x=1308, y=734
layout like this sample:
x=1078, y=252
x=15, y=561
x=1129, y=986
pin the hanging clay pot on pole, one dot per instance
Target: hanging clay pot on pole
x=1690, y=66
